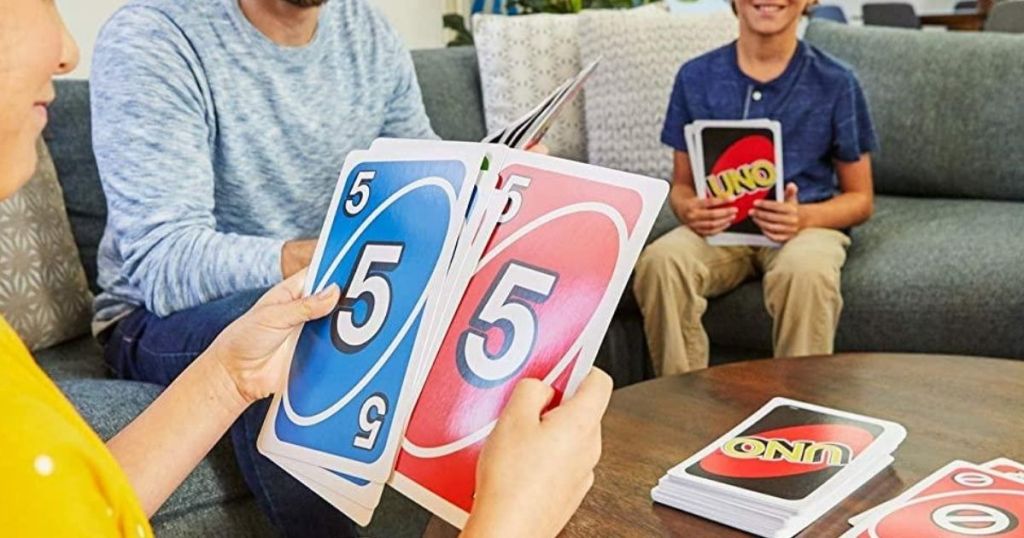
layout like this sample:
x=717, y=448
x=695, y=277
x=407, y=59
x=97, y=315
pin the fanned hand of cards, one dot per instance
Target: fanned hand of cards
x=526, y=132
x=782, y=468
x=960, y=499
x=737, y=163
x=463, y=268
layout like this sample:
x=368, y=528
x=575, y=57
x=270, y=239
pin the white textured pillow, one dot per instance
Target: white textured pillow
x=44, y=294
x=627, y=97
x=522, y=60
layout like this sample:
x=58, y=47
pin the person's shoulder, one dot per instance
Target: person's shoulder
x=156, y=16
x=701, y=66
x=139, y=17
x=828, y=68
x=360, y=18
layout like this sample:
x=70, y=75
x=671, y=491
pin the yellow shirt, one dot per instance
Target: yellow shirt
x=57, y=478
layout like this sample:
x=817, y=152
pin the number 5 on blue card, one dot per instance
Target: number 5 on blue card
x=387, y=242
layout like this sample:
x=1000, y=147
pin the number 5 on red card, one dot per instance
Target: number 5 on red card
x=537, y=306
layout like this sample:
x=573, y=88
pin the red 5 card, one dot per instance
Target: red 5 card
x=961, y=499
x=537, y=306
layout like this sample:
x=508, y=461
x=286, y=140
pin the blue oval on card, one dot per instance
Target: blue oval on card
x=410, y=210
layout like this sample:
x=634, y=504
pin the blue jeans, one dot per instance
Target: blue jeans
x=145, y=347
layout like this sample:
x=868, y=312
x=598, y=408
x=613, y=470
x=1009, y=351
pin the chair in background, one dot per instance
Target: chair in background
x=966, y=6
x=897, y=15
x=828, y=13
x=1006, y=17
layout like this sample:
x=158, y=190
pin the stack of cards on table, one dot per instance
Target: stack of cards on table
x=463, y=268
x=737, y=163
x=782, y=468
x=960, y=499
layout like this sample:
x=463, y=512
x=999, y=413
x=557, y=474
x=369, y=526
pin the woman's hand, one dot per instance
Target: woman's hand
x=706, y=217
x=780, y=221
x=256, y=349
x=535, y=469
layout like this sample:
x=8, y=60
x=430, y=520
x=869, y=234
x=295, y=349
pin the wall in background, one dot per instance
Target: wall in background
x=418, y=21
x=412, y=18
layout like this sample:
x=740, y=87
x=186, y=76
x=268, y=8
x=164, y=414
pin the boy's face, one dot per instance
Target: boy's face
x=769, y=17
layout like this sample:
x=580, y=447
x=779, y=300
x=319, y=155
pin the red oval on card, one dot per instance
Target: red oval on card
x=788, y=451
x=956, y=514
x=569, y=231
x=745, y=151
x=578, y=267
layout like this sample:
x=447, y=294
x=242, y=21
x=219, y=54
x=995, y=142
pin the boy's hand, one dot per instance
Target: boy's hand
x=535, y=470
x=780, y=221
x=708, y=216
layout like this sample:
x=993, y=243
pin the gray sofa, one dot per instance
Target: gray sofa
x=938, y=269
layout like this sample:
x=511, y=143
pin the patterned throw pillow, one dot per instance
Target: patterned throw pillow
x=43, y=290
x=628, y=96
x=523, y=59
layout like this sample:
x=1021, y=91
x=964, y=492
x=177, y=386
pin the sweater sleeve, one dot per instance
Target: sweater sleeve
x=152, y=133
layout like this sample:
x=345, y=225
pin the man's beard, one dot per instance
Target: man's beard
x=306, y=3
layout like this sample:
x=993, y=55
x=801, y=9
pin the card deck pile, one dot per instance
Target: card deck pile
x=960, y=499
x=737, y=162
x=782, y=468
x=463, y=268
x=526, y=132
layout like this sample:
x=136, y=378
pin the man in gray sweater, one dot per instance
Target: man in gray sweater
x=219, y=128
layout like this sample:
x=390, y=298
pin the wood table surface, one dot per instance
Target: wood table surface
x=953, y=408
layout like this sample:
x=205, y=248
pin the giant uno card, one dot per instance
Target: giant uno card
x=787, y=451
x=961, y=499
x=536, y=307
x=740, y=162
x=387, y=241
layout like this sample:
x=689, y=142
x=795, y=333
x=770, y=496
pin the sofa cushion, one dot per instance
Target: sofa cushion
x=81, y=358
x=925, y=276
x=522, y=60
x=946, y=111
x=43, y=290
x=627, y=97
x=450, y=81
x=69, y=136
x=109, y=405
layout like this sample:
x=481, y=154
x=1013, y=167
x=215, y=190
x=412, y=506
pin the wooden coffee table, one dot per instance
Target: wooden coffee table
x=953, y=407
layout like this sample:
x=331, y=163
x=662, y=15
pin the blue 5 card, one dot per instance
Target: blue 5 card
x=387, y=242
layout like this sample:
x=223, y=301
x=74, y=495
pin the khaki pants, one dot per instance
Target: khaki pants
x=679, y=272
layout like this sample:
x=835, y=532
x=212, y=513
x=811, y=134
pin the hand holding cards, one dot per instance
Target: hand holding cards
x=737, y=163
x=463, y=268
x=782, y=468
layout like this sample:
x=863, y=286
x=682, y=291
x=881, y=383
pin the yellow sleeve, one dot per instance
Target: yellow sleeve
x=56, y=476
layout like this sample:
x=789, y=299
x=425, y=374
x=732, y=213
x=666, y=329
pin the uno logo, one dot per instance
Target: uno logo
x=806, y=452
x=745, y=171
x=788, y=451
